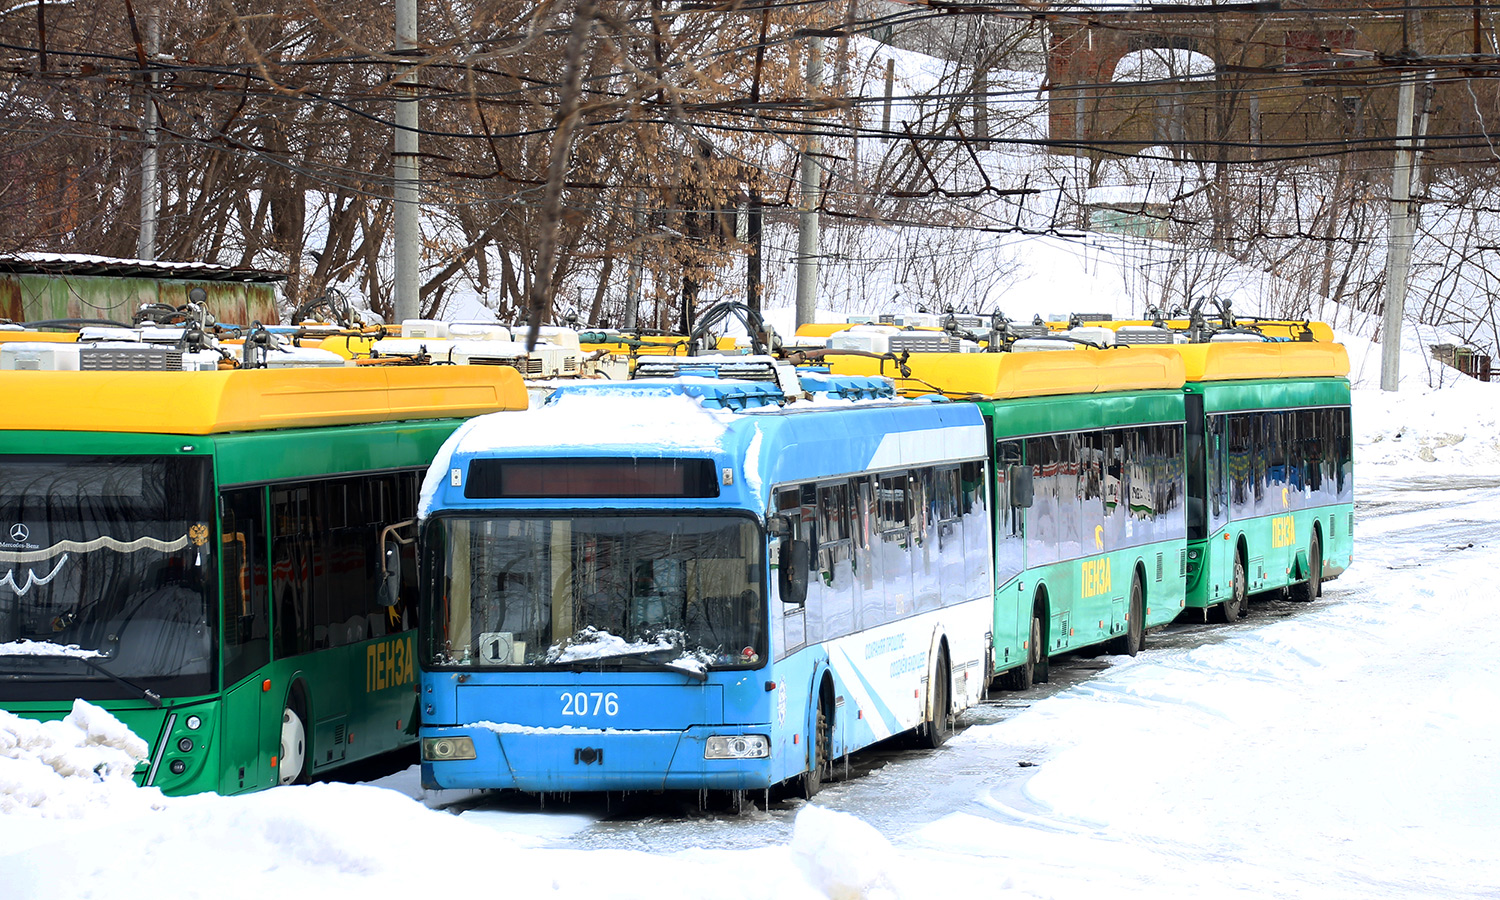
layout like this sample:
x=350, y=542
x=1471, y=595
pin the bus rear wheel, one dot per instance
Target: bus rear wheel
x=1312, y=588
x=940, y=723
x=1134, y=639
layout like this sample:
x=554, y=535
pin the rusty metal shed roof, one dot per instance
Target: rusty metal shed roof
x=108, y=266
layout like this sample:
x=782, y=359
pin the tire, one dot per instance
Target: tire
x=819, y=743
x=1022, y=677
x=1238, y=603
x=293, y=762
x=1133, y=640
x=936, y=730
x=1312, y=588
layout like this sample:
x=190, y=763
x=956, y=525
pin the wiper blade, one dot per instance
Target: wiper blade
x=639, y=663
x=151, y=696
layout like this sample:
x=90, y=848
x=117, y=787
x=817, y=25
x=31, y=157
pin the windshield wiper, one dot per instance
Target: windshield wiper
x=151, y=696
x=641, y=659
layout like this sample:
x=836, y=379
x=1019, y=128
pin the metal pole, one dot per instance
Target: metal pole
x=807, y=230
x=150, y=186
x=407, y=224
x=1398, y=256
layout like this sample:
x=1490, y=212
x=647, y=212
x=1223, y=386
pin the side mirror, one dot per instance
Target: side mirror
x=1019, y=479
x=792, y=572
x=389, y=591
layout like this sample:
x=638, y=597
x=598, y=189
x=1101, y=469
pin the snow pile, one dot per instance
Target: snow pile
x=1456, y=428
x=842, y=856
x=65, y=768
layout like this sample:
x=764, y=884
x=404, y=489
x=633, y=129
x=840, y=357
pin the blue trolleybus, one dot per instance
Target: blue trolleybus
x=701, y=583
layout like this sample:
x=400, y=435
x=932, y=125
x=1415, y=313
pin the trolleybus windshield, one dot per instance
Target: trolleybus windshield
x=105, y=575
x=596, y=591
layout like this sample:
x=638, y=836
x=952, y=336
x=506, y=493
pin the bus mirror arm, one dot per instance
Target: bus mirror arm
x=389, y=592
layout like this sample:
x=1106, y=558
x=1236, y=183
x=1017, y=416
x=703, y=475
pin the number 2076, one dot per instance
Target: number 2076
x=591, y=704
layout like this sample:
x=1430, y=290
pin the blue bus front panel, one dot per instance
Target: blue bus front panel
x=562, y=731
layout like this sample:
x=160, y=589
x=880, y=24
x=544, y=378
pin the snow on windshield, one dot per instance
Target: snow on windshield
x=592, y=643
x=46, y=648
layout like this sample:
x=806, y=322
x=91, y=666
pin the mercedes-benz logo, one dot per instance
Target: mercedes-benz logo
x=19, y=533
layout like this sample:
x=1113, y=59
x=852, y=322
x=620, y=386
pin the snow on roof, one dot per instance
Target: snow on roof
x=86, y=264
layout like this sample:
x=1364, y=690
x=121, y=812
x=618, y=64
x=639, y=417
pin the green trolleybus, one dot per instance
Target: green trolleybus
x=1090, y=528
x=1271, y=472
x=215, y=557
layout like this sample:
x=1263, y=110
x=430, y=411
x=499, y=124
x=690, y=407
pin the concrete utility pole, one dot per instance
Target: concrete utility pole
x=811, y=187
x=1398, y=256
x=145, y=247
x=408, y=220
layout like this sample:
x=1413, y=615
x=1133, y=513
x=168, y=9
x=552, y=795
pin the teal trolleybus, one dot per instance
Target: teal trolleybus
x=1090, y=528
x=214, y=557
x=1271, y=478
x=700, y=583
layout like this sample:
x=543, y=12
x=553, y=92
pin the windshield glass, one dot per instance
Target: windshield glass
x=680, y=590
x=105, y=564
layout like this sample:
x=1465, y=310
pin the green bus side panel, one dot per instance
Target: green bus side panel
x=1230, y=396
x=1044, y=415
x=1088, y=598
x=252, y=457
x=1276, y=552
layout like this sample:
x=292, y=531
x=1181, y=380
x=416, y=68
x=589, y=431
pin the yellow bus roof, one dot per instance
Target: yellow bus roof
x=253, y=399
x=44, y=337
x=1001, y=376
x=1282, y=329
x=1235, y=360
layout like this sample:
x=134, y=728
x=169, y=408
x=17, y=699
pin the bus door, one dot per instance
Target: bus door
x=1012, y=602
x=246, y=745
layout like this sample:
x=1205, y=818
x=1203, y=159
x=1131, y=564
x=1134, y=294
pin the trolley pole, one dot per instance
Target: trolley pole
x=811, y=187
x=407, y=220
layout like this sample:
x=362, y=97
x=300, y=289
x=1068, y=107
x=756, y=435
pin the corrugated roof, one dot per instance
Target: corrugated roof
x=108, y=266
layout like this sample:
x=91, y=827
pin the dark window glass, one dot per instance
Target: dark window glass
x=247, y=635
x=492, y=479
x=607, y=591
x=1010, y=556
x=115, y=555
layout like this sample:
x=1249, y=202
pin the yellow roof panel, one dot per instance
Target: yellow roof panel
x=1288, y=330
x=1234, y=361
x=48, y=337
x=253, y=399
x=1006, y=375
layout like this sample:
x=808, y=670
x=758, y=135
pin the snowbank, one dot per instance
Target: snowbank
x=71, y=767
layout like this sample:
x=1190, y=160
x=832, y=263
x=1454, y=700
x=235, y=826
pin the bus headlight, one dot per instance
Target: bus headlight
x=737, y=746
x=446, y=748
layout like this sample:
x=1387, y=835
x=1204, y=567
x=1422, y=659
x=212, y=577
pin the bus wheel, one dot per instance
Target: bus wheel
x=292, y=766
x=1312, y=588
x=1239, y=598
x=821, y=741
x=940, y=725
x=1022, y=677
x=1134, y=639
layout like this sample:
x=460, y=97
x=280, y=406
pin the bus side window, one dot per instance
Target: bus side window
x=247, y=639
x=291, y=570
